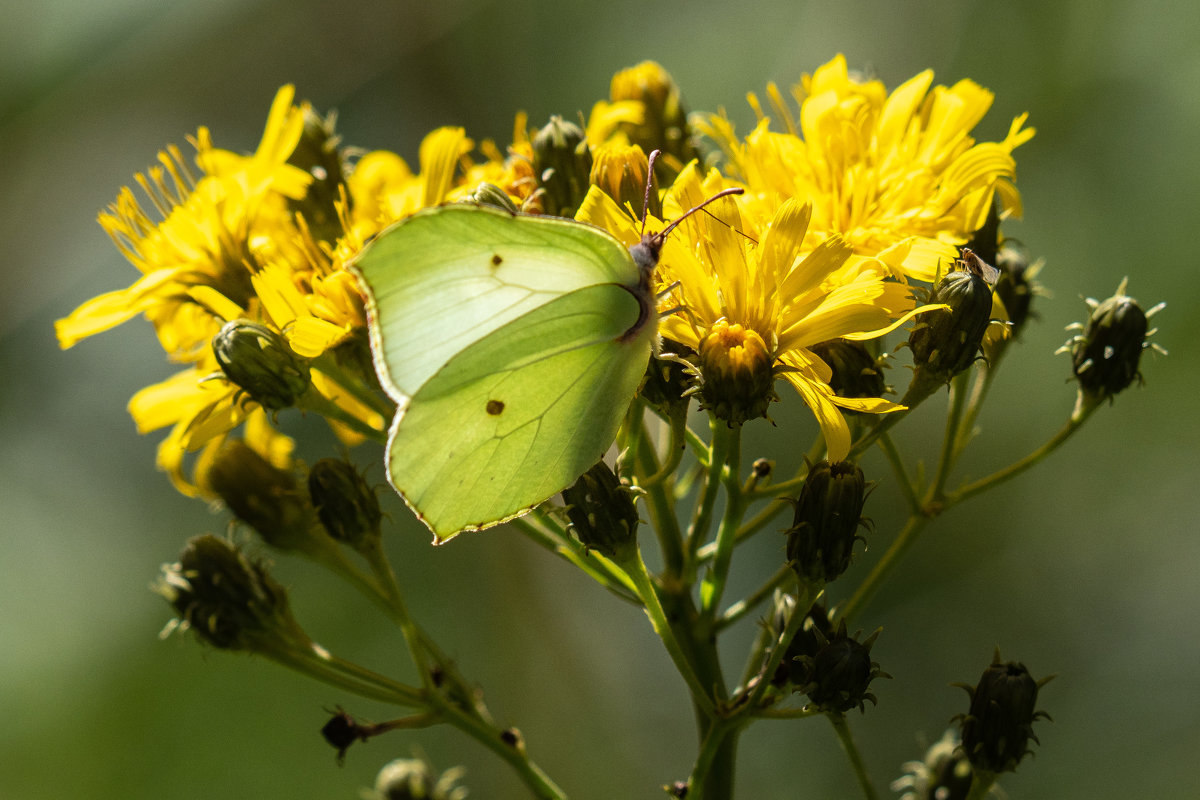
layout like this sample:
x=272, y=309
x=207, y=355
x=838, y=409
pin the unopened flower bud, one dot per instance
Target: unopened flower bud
x=944, y=774
x=825, y=526
x=1016, y=286
x=318, y=154
x=414, y=779
x=737, y=377
x=946, y=342
x=664, y=124
x=838, y=676
x=1105, y=356
x=620, y=171
x=562, y=163
x=228, y=600
x=260, y=362
x=266, y=498
x=856, y=373
x=602, y=512
x=489, y=194
x=814, y=630
x=345, y=504
x=997, y=728
x=667, y=379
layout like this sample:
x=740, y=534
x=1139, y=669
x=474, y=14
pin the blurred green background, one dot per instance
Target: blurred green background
x=1085, y=567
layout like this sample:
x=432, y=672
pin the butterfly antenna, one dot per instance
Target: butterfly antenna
x=661, y=235
x=649, y=184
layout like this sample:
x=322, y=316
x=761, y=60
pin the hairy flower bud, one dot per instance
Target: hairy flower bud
x=1016, y=287
x=602, y=512
x=266, y=498
x=737, y=377
x=620, y=171
x=260, y=362
x=837, y=677
x=946, y=342
x=664, y=124
x=997, y=728
x=825, y=525
x=562, y=162
x=228, y=600
x=345, y=504
x=944, y=774
x=667, y=379
x=489, y=194
x=814, y=630
x=856, y=373
x=414, y=779
x=1105, y=356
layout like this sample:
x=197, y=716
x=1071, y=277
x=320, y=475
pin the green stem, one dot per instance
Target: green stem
x=712, y=774
x=713, y=586
x=949, y=454
x=747, y=604
x=906, y=485
x=702, y=520
x=594, y=565
x=660, y=503
x=677, y=426
x=856, y=762
x=981, y=783
x=895, y=552
x=317, y=662
x=804, y=601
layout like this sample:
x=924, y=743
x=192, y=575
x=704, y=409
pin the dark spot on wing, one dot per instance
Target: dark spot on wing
x=494, y=407
x=496, y=260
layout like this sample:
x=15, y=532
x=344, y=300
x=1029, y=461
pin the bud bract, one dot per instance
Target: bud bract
x=945, y=342
x=837, y=677
x=1105, y=356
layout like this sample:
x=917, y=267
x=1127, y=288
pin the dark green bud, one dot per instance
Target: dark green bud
x=260, y=362
x=856, y=372
x=668, y=379
x=489, y=194
x=1105, y=356
x=413, y=779
x=838, y=676
x=1015, y=287
x=602, y=512
x=815, y=630
x=318, y=154
x=562, y=162
x=226, y=599
x=825, y=525
x=947, y=341
x=345, y=504
x=997, y=728
x=266, y=498
x=944, y=773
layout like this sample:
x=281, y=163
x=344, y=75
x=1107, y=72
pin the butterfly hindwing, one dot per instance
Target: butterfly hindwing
x=518, y=415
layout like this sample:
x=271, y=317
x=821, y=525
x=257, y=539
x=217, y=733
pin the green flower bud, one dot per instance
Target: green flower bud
x=1105, y=356
x=263, y=496
x=414, y=779
x=260, y=362
x=947, y=341
x=489, y=194
x=317, y=154
x=1016, y=287
x=944, y=774
x=825, y=526
x=345, y=504
x=856, y=373
x=664, y=124
x=736, y=370
x=838, y=676
x=228, y=600
x=602, y=512
x=562, y=162
x=668, y=380
x=815, y=630
x=997, y=728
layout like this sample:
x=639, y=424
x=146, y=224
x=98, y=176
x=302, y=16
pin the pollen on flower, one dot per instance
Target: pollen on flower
x=737, y=377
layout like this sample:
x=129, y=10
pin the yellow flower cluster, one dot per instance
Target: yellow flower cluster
x=861, y=193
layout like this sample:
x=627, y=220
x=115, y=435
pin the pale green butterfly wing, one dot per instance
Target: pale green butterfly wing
x=512, y=344
x=519, y=415
x=448, y=276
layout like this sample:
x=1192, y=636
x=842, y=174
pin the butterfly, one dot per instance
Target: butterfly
x=513, y=345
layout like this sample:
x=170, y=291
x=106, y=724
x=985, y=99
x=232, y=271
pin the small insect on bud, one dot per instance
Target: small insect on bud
x=260, y=362
x=664, y=124
x=345, y=504
x=737, y=376
x=944, y=774
x=228, y=600
x=838, y=676
x=414, y=779
x=602, y=512
x=266, y=498
x=825, y=525
x=947, y=341
x=1105, y=356
x=621, y=172
x=997, y=728
x=856, y=373
x=562, y=162
x=318, y=154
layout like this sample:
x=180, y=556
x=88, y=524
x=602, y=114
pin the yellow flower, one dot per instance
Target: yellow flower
x=749, y=286
x=878, y=169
